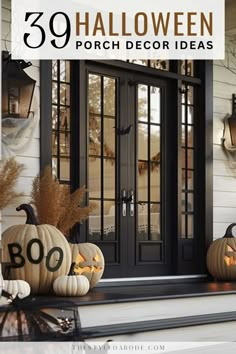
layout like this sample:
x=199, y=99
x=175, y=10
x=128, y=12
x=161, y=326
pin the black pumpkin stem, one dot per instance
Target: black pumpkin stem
x=228, y=232
x=71, y=271
x=31, y=218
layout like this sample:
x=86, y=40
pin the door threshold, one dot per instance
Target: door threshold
x=152, y=280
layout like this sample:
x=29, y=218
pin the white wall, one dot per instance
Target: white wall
x=30, y=158
x=224, y=182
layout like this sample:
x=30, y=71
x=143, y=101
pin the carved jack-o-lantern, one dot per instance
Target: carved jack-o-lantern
x=89, y=261
x=221, y=256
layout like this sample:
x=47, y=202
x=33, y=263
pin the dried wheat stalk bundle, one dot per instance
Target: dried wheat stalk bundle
x=55, y=205
x=9, y=172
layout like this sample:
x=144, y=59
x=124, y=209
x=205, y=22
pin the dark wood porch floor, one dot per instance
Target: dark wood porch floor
x=115, y=294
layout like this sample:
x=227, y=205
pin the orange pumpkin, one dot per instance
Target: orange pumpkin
x=221, y=256
x=89, y=261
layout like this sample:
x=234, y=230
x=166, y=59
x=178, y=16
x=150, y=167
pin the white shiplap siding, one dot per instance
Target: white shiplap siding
x=224, y=168
x=30, y=158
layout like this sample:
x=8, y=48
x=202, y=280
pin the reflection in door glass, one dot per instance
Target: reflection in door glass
x=102, y=156
x=142, y=103
x=188, y=165
x=61, y=131
x=149, y=163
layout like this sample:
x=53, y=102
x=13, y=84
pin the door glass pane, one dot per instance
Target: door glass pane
x=142, y=141
x=190, y=115
x=65, y=71
x=61, y=127
x=102, y=101
x=187, y=156
x=94, y=94
x=64, y=144
x=54, y=69
x=142, y=103
x=160, y=64
x=149, y=165
x=109, y=225
x=54, y=92
x=65, y=169
x=143, y=182
x=65, y=94
x=190, y=180
x=94, y=177
x=155, y=186
x=54, y=143
x=95, y=222
x=190, y=201
x=190, y=226
x=109, y=97
x=155, y=105
x=143, y=222
x=155, y=142
x=155, y=222
x=190, y=159
x=139, y=62
x=109, y=138
x=109, y=178
x=187, y=67
x=94, y=135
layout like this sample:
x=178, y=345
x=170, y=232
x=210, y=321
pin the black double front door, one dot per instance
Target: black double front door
x=128, y=118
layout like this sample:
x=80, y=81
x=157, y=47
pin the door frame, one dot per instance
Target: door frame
x=205, y=125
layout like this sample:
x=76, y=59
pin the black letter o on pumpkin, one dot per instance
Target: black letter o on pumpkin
x=59, y=262
x=29, y=254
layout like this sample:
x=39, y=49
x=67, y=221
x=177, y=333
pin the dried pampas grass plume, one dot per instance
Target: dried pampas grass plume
x=45, y=196
x=73, y=212
x=9, y=172
x=55, y=205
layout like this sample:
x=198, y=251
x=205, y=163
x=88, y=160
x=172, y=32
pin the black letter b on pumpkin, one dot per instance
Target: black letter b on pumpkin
x=15, y=250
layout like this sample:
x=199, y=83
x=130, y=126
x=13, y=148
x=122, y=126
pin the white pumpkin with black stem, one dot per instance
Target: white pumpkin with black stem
x=71, y=284
x=39, y=253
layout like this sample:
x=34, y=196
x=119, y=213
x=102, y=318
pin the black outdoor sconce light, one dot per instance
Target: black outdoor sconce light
x=232, y=122
x=17, y=88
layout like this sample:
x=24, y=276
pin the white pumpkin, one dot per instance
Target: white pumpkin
x=18, y=288
x=40, y=252
x=71, y=285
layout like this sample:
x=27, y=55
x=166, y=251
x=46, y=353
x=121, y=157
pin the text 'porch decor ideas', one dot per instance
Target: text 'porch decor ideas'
x=221, y=256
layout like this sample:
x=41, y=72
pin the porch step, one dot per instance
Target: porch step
x=200, y=328
x=214, y=332
x=156, y=310
x=124, y=311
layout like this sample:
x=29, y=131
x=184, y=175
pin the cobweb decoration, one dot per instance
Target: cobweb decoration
x=17, y=135
x=38, y=320
x=230, y=55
